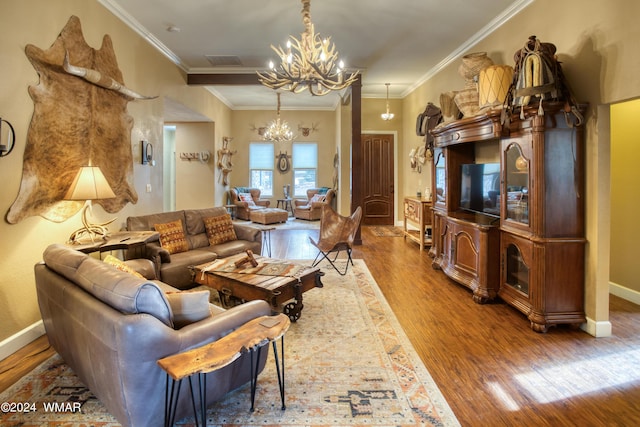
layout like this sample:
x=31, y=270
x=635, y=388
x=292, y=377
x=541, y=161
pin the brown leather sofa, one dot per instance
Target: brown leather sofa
x=310, y=209
x=111, y=327
x=173, y=269
x=244, y=208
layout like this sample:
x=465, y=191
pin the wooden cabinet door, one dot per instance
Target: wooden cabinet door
x=517, y=207
x=516, y=271
x=464, y=252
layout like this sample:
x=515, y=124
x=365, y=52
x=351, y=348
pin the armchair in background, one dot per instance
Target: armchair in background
x=311, y=209
x=247, y=199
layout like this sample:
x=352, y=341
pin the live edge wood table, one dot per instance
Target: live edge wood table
x=274, y=281
x=250, y=337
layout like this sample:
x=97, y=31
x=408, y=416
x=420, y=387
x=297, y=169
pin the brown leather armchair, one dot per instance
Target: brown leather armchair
x=311, y=209
x=244, y=207
x=337, y=234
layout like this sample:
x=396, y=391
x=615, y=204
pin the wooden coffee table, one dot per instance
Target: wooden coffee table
x=274, y=281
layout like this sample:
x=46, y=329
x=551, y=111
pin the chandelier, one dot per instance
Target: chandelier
x=387, y=116
x=278, y=130
x=310, y=63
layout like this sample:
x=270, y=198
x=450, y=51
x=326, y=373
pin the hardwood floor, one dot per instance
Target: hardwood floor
x=491, y=367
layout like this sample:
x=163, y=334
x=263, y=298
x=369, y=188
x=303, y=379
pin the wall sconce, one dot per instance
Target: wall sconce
x=147, y=154
x=5, y=149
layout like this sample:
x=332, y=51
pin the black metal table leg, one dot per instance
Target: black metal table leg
x=280, y=372
x=171, y=395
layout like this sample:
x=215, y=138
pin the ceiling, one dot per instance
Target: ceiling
x=401, y=42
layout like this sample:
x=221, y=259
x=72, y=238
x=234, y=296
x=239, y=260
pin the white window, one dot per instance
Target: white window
x=261, y=160
x=305, y=167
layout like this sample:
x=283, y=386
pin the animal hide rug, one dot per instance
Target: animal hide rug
x=74, y=122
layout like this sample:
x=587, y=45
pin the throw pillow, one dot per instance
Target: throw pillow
x=318, y=198
x=219, y=229
x=120, y=265
x=246, y=197
x=188, y=307
x=172, y=236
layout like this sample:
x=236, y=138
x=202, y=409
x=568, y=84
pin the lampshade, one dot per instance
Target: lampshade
x=89, y=184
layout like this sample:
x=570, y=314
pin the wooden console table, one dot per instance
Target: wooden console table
x=250, y=337
x=417, y=212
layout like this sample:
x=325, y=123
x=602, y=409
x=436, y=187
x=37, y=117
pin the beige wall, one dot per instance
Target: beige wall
x=145, y=70
x=243, y=134
x=195, y=179
x=597, y=44
x=625, y=195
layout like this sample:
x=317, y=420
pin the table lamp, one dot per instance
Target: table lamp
x=89, y=184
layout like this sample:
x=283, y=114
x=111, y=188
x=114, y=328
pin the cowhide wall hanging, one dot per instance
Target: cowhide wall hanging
x=80, y=116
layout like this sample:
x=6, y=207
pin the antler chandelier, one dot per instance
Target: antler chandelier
x=278, y=131
x=310, y=63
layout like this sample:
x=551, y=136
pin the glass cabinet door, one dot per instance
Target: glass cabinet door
x=517, y=272
x=516, y=185
x=440, y=195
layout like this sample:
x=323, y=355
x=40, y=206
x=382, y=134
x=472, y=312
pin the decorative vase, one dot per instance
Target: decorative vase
x=471, y=65
x=493, y=84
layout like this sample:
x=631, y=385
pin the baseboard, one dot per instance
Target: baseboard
x=597, y=329
x=624, y=293
x=20, y=339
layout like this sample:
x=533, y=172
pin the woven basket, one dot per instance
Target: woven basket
x=471, y=65
x=450, y=110
x=467, y=101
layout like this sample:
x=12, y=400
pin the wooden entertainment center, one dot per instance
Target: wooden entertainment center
x=518, y=232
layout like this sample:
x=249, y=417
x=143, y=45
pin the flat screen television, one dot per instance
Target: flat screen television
x=480, y=188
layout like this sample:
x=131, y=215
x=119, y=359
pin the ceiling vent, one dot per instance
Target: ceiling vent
x=224, y=60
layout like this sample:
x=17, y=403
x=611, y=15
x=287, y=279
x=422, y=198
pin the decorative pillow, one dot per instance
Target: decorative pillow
x=188, y=307
x=318, y=198
x=120, y=265
x=246, y=197
x=172, y=236
x=219, y=229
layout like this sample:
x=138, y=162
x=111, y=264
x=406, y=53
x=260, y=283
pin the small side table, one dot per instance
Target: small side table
x=133, y=242
x=251, y=336
x=231, y=209
x=266, y=237
x=286, y=204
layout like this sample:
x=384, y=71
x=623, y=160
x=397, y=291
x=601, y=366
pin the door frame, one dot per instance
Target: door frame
x=395, y=166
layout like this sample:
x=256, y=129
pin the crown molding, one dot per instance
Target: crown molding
x=495, y=23
x=136, y=26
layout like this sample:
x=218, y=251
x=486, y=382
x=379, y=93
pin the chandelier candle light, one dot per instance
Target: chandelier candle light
x=278, y=130
x=310, y=63
x=387, y=116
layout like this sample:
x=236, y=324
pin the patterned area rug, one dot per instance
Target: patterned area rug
x=348, y=363
x=386, y=231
